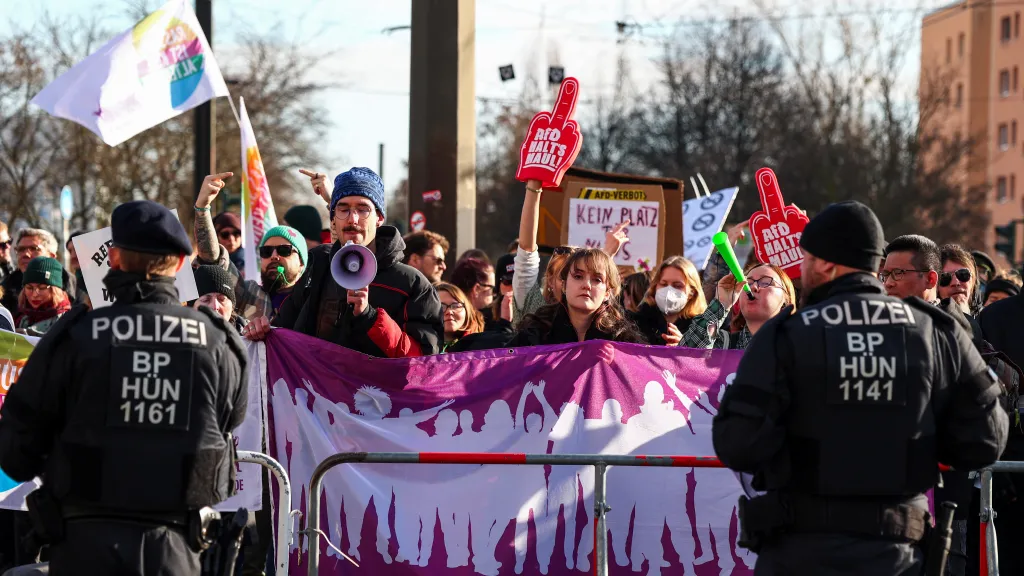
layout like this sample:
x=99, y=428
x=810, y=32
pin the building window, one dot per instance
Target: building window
x=949, y=50
x=1013, y=186
x=1004, y=83
x=1013, y=133
x=1004, y=137
x=1016, y=24
x=1014, y=78
x=1004, y=29
x=1001, y=195
x=959, y=94
x=961, y=42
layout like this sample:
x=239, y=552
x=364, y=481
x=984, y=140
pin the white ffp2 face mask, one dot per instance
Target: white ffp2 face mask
x=670, y=300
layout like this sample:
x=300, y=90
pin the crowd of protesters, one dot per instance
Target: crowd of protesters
x=418, y=305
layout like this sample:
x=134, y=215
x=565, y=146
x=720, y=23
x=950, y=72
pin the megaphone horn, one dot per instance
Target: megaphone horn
x=353, y=267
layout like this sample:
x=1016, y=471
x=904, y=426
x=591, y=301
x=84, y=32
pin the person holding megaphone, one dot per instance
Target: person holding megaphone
x=356, y=292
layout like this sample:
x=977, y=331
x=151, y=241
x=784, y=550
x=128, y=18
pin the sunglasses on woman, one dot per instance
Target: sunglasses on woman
x=229, y=234
x=963, y=275
x=283, y=250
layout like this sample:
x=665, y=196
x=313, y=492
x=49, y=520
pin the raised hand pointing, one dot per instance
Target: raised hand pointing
x=212, y=185
x=319, y=182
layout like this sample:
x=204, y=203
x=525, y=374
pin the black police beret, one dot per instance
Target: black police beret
x=145, y=226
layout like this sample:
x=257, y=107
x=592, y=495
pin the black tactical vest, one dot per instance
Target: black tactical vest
x=861, y=370
x=146, y=409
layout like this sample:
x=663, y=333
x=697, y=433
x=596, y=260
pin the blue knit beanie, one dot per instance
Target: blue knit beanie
x=359, y=182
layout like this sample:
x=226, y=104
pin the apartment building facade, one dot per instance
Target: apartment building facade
x=976, y=50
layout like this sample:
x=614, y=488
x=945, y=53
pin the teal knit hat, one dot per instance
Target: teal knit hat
x=43, y=270
x=292, y=236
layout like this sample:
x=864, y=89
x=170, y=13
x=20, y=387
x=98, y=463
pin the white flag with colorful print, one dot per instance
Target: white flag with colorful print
x=159, y=68
x=258, y=214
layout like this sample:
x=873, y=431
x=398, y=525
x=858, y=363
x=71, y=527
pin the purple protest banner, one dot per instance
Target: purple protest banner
x=594, y=397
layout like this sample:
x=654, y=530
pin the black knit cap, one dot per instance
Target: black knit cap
x=1001, y=285
x=215, y=280
x=505, y=267
x=846, y=233
x=306, y=219
x=145, y=226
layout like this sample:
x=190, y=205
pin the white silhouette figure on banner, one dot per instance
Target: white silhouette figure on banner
x=528, y=482
x=289, y=430
x=714, y=486
x=459, y=495
x=658, y=429
x=604, y=436
x=564, y=481
x=333, y=423
x=489, y=522
x=374, y=405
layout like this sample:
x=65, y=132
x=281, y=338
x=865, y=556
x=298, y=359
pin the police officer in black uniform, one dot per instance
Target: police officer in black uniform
x=844, y=409
x=126, y=414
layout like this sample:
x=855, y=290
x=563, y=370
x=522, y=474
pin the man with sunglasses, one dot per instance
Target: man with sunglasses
x=958, y=278
x=843, y=411
x=426, y=251
x=229, y=235
x=282, y=260
x=397, y=315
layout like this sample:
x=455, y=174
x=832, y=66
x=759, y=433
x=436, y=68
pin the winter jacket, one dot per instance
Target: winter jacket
x=652, y=323
x=404, y=314
x=562, y=332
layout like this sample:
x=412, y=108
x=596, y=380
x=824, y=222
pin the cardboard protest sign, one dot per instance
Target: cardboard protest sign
x=594, y=210
x=776, y=228
x=702, y=218
x=554, y=207
x=553, y=140
x=95, y=261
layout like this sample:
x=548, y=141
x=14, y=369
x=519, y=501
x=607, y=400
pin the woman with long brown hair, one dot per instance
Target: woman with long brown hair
x=589, y=308
x=672, y=300
x=771, y=290
x=529, y=292
x=459, y=316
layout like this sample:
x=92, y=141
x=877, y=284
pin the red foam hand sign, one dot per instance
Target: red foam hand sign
x=553, y=140
x=776, y=228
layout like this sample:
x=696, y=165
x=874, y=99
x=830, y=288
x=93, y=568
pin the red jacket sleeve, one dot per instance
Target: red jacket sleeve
x=388, y=336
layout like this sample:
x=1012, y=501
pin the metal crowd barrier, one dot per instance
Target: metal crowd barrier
x=600, y=463
x=284, y=529
x=311, y=525
x=989, y=545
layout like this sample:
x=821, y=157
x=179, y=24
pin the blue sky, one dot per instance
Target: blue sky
x=372, y=67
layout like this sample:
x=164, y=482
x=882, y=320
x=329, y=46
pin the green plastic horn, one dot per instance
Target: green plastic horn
x=724, y=247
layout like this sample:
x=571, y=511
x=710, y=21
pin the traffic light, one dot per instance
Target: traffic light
x=1006, y=241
